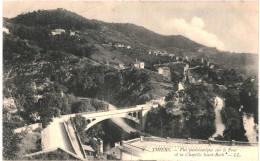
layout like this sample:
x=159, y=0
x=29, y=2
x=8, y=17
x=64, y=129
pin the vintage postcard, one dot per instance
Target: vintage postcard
x=121, y=80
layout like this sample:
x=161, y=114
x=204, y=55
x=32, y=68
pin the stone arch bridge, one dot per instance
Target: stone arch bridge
x=134, y=113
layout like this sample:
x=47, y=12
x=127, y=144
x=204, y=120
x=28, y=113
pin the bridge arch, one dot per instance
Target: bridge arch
x=92, y=123
x=136, y=114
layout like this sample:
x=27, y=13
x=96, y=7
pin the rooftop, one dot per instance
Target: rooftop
x=165, y=148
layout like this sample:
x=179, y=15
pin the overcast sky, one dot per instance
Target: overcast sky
x=229, y=26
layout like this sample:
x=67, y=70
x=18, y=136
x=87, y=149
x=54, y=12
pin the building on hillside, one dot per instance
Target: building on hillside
x=171, y=55
x=200, y=50
x=74, y=33
x=160, y=70
x=253, y=78
x=165, y=71
x=139, y=64
x=120, y=45
x=121, y=66
x=57, y=31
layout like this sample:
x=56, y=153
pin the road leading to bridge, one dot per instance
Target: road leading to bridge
x=55, y=135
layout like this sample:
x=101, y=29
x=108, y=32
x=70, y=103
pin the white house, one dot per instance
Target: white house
x=120, y=45
x=160, y=70
x=200, y=50
x=121, y=65
x=171, y=55
x=72, y=33
x=139, y=64
x=57, y=31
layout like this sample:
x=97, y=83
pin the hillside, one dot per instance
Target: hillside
x=44, y=72
x=109, y=41
x=53, y=57
x=52, y=19
x=67, y=20
x=152, y=39
x=59, y=51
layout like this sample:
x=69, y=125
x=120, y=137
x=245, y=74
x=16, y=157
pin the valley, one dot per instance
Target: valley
x=63, y=71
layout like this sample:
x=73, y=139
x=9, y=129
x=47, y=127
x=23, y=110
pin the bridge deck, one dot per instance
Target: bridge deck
x=96, y=114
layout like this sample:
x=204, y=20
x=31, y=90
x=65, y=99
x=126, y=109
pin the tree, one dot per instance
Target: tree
x=86, y=81
x=11, y=141
x=23, y=94
x=52, y=105
x=80, y=124
x=91, y=136
x=94, y=134
x=99, y=105
x=82, y=106
x=95, y=131
x=249, y=97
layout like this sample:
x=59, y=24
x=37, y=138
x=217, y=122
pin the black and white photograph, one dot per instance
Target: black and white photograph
x=130, y=80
